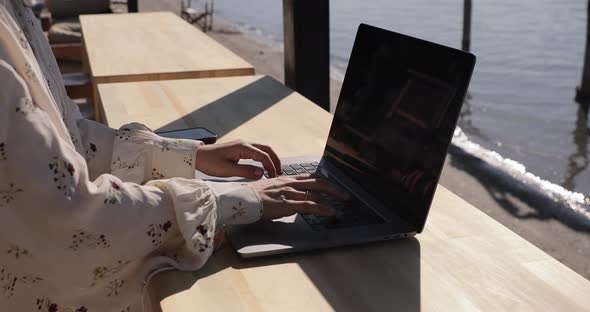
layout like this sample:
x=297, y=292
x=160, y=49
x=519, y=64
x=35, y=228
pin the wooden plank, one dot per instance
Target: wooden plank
x=67, y=51
x=220, y=105
x=151, y=44
x=464, y=260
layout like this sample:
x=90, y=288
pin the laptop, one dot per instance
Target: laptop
x=396, y=114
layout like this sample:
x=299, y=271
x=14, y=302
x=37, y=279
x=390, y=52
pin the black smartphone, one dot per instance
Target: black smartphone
x=200, y=134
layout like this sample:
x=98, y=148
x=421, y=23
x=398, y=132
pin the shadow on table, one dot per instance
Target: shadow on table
x=372, y=277
x=376, y=277
x=234, y=109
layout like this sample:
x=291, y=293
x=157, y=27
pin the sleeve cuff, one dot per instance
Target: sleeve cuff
x=139, y=155
x=237, y=203
x=174, y=158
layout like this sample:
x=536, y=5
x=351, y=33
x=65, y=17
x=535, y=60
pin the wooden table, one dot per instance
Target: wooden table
x=152, y=46
x=464, y=260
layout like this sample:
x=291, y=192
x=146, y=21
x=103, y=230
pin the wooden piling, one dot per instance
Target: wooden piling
x=466, y=42
x=306, y=29
x=583, y=90
x=132, y=6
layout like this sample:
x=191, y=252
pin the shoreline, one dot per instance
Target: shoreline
x=464, y=175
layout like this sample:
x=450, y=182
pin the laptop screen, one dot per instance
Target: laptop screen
x=395, y=118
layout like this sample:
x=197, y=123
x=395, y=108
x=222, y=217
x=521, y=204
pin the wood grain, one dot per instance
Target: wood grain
x=149, y=44
x=464, y=260
x=152, y=46
x=222, y=105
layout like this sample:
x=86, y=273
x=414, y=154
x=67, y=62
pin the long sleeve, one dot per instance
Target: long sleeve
x=89, y=212
x=71, y=225
x=133, y=153
x=141, y=156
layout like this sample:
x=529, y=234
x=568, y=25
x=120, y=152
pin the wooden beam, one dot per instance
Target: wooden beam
x=306, y=26
x=67, y=51
x=80, y=92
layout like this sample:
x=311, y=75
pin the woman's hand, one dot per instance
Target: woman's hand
x=221, y=160
x=288, y=195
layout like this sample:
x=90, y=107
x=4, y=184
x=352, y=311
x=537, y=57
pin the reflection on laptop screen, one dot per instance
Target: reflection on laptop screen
x=395, y=118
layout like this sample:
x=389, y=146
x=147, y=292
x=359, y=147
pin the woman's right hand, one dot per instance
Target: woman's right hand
x=287, y=195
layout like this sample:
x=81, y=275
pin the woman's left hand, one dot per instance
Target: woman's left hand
x=221, y=160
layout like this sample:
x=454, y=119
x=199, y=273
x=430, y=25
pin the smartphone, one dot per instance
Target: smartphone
x=200, y=134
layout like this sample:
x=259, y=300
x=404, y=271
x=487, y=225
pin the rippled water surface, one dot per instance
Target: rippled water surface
x=530, y=57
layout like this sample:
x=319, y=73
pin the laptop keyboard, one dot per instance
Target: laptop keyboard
x=351, y=213
x=296, y=169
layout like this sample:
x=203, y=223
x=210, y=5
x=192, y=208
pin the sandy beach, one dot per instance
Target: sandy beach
x=466, y=176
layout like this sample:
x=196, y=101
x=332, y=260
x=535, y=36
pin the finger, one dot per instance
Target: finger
x=293, y=194
x=310, y=207
x=273, y=156
x=218, y=239
x=304, y=176
x=248, y=151
x=321, y=186
x=246, y=171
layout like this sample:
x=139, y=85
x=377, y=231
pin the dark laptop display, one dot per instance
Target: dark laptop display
x=396, y=115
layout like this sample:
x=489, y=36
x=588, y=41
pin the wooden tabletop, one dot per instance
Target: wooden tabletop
x=153, y=46
x=464, y=260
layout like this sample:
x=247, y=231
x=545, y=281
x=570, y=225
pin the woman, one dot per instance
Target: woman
x=89, y=213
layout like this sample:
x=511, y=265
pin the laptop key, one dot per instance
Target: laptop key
x=313, y=219
x=296, y=166
x=290, y=172
x=300, y=171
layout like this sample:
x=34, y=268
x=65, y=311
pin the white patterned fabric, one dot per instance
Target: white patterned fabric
x=87, y=212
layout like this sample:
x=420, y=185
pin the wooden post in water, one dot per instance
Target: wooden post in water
x=132, y=6
x=306, y=32
x=583, y=90
x=466, y=42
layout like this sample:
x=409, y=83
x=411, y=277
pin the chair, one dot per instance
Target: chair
x=201, y=17
x=60, y=19
x=63, y=25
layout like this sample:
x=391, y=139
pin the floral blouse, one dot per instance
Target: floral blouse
x=89, y=213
